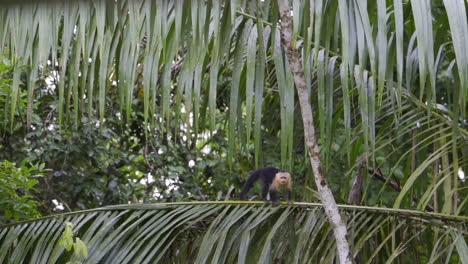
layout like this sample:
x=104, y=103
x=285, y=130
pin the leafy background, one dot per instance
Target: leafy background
x=143, y=101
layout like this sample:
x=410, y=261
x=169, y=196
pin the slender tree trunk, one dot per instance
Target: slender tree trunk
x=328, y=201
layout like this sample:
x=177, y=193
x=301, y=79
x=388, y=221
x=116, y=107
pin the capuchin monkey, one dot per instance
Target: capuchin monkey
x=272, y=179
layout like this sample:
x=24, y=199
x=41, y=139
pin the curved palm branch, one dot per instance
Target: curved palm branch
x=242, y=232
x=172, y=53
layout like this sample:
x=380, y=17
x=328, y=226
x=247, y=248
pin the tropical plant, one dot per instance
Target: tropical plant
x=234, y=232
x=16, y=191
x=79, y=248
x=388, y=85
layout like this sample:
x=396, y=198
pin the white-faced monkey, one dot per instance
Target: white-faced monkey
x=272, y=179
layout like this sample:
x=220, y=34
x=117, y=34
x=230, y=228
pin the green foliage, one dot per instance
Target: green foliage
x=79, y=247
x=5, y=80
x=119, y=119
x=16, y=188
x=5, y=83
x=93, y=166
x=7, y=70
x=150, y=101
x=234, y=232
x=67, y=236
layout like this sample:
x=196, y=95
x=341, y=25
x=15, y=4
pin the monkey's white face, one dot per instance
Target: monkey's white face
x=283, y=177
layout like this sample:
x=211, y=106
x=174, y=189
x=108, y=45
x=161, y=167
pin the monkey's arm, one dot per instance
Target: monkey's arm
x=289, y=196
x=274, y=198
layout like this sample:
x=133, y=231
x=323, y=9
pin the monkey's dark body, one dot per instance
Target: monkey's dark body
x=267, y=176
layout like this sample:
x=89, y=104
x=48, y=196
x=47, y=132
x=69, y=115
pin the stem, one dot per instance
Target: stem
x=328, y=201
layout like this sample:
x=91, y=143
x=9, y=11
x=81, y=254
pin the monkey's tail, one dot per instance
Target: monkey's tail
x=253, y=177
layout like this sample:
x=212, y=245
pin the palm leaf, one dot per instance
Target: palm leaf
x=228, y=232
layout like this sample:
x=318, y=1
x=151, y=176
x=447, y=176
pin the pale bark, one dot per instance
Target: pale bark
x=328, y=201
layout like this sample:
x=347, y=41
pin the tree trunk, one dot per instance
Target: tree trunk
x=328, y=201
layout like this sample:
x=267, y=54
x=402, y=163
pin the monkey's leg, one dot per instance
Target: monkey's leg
x=265, y=192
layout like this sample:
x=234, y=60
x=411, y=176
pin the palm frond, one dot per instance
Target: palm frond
x=227, y=232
